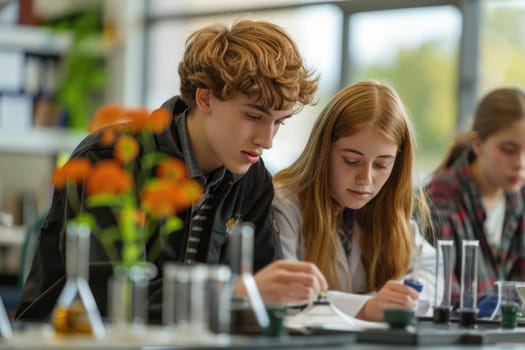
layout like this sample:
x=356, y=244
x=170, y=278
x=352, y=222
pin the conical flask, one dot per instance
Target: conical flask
x=248, y=315
x=76, y=311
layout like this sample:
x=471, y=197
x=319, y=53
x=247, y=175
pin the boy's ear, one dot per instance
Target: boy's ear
x=203, y=99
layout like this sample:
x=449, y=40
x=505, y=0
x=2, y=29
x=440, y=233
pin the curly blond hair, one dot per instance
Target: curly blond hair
x=255, y=58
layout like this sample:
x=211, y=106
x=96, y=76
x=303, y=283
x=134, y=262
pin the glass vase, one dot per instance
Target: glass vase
x=128, y=296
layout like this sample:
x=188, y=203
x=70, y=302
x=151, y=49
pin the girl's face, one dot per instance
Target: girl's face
x=360, y=164
x=501, y=158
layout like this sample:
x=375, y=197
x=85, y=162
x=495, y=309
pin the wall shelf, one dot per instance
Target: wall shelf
x=36, y=40
x=42, y=141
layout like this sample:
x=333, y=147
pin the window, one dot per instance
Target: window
x=319, y=44
x=502, y=44
x=415, y=51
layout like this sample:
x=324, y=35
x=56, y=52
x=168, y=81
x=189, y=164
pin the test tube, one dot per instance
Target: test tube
x=247, y=314
x=444, y=270
x=469, y=283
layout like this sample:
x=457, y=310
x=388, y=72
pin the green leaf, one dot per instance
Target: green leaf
x=102, y=200
x=85, y=218
x=131, y=253
x=173, y=224
x=149, y=160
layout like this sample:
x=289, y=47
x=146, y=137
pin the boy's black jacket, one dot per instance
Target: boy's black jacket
x=249, y=198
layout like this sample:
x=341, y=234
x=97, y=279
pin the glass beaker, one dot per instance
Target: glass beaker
x=469, y=283
x=184, y=299
x=76, y=311
x=128, y=295
x=218, y=298
x=444, y=270
x=248, y=315
x=509, y=303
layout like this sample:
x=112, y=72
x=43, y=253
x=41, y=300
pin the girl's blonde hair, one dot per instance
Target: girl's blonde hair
x=386, y=242
x=255, y=58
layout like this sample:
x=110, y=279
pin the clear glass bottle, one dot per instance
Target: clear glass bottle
x=76, y=311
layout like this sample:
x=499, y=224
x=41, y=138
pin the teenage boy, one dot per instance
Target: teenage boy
x=238, y=86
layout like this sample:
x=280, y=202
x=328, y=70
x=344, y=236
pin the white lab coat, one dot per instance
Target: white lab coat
x=288, y=218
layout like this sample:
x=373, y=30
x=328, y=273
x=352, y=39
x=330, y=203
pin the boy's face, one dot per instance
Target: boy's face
x=237, y=131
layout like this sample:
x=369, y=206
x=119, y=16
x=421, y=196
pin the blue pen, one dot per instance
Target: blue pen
x=416, y=285
x=411, y=280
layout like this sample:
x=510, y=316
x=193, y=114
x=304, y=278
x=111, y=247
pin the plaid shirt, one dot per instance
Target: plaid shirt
x=458, y=214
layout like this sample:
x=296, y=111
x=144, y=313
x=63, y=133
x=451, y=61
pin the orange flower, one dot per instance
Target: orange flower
x=157, y=199
x=138, y=120
x=134, y=215
x=166, y=197
x=107, y=115
x=133, y=114
x=126, y=148
x=108, y=136
x=108, y=177
x=159, y=120
x=155, y=122
x=191, y=191
x=172, y=168
x=74, y=170
x=140, y=217
x=110, y=182
x=130, y=119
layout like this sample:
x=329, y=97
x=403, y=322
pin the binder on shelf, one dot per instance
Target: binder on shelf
x=13, y=66
x=16, y=112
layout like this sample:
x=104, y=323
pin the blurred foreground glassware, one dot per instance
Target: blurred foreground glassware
x=128, y=296
x=248, y=315
x=509, y=303
x=469, y=283
x=444, y=270
x=218, y=298
x=76, y=311
x=184, y=300
x=5, y=326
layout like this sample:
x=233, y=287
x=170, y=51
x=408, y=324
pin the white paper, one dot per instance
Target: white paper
x=327, y=316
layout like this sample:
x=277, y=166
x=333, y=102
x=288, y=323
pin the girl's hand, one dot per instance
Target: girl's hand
x=394, y=294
